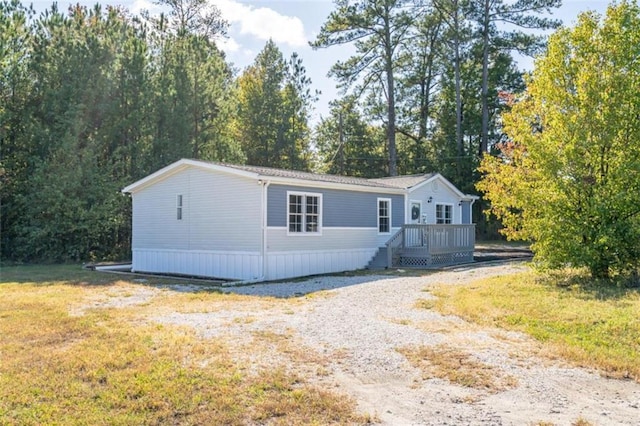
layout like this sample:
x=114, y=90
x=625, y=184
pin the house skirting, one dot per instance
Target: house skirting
x=248, y=265
x=281, y=265
x=238, y=265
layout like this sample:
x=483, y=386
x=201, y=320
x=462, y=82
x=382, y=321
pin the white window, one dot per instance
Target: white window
x=304, y=213
x=384, y=215
x=444, y=213
x=179, y=207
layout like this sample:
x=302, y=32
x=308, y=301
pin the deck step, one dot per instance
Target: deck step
x=379, y=261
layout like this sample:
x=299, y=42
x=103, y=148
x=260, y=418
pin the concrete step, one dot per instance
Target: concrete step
x=379, y=261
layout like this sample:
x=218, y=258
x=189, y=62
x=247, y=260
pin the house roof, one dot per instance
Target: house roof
x=397, y=184
x=316, y=177
x=404, y=182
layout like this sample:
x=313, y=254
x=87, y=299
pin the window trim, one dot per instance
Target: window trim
x=450, y=205
x=303, y=213
x=389, y=216
x=179, y=206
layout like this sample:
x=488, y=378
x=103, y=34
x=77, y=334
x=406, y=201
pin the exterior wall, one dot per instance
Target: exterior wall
x=349, y=237
x=350, y=209
x=440, y=194
x=202, y=263
x=290, y=264
x=220, y=233
x=466, y=213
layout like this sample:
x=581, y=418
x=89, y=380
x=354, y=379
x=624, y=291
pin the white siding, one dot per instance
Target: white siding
x=331, y=239
x=220, y=212
x=220, y=234
x=440, y=194
x=336, y=250
x=291, y=264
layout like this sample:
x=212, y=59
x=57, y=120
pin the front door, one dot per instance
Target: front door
x=416, y=212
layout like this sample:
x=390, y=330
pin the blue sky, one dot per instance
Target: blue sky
x=292, y=24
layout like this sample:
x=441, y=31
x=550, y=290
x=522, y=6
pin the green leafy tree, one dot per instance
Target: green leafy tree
x=347, y=145
x=418, y=83
x=260, y=108
x=298, y=100
x=16, y=85
x=70, y=207
x=514, y=16
x=568, y=178
x=454, y=13
x=274, y=104
x=376, y=29
x=192, y=84
x=92, y=99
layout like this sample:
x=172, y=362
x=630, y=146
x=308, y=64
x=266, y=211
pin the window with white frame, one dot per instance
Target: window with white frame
x=444, y=213
x=179, y=207
x=384, y=215
x=304, y=212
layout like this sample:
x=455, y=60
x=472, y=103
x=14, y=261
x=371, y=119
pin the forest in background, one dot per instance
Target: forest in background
x=92, y=99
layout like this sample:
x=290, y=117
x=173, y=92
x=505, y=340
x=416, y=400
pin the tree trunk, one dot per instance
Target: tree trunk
x=391, y=128
x=456, y=65
x=391, y=106
x=484, y=136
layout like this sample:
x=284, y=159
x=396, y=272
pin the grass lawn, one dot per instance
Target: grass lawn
x=595, y=326
x=101, y=364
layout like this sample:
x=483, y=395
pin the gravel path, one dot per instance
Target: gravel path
x=366, y=319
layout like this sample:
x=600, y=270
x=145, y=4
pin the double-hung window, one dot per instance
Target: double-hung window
x=444, y=213
x=304, y=213
x=384, y=215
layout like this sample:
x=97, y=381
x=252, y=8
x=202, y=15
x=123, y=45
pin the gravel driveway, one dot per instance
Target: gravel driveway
x=366, y=319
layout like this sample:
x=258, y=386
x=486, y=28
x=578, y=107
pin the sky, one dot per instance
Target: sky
x=292, y=24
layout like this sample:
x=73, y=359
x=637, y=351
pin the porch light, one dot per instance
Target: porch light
x=429, y=199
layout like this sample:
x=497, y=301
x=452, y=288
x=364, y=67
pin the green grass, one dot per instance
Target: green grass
x=112, y=365
x=591, y=325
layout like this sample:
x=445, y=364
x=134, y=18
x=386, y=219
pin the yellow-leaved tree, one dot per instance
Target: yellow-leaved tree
x=569, y=178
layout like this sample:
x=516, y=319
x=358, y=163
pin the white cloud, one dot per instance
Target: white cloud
x=263, y=23
x=139, y=5
x=228, y=44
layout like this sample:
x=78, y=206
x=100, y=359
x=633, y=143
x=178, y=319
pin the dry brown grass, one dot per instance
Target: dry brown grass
x=74, y=350
x=459, y=367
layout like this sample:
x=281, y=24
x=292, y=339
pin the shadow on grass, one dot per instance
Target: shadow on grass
x=580, y=284
x=54, y=274
x=74, y=274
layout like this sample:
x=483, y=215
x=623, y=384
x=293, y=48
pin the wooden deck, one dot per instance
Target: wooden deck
x=424, y=246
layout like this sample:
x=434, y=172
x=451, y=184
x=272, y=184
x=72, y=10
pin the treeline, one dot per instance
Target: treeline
x=92, y=99
x=434, y=74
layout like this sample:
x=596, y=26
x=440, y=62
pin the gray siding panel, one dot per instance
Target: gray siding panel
x=397, y=210
x=277, y=205
x=350, y=209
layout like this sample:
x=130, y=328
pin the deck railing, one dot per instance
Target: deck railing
x=431, y=245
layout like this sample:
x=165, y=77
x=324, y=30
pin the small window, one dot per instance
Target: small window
x=444, y=213
x=384, y=215
x=304, y=213
x=179, y=207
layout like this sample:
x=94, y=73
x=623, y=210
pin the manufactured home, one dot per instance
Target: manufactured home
x=257, y=223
